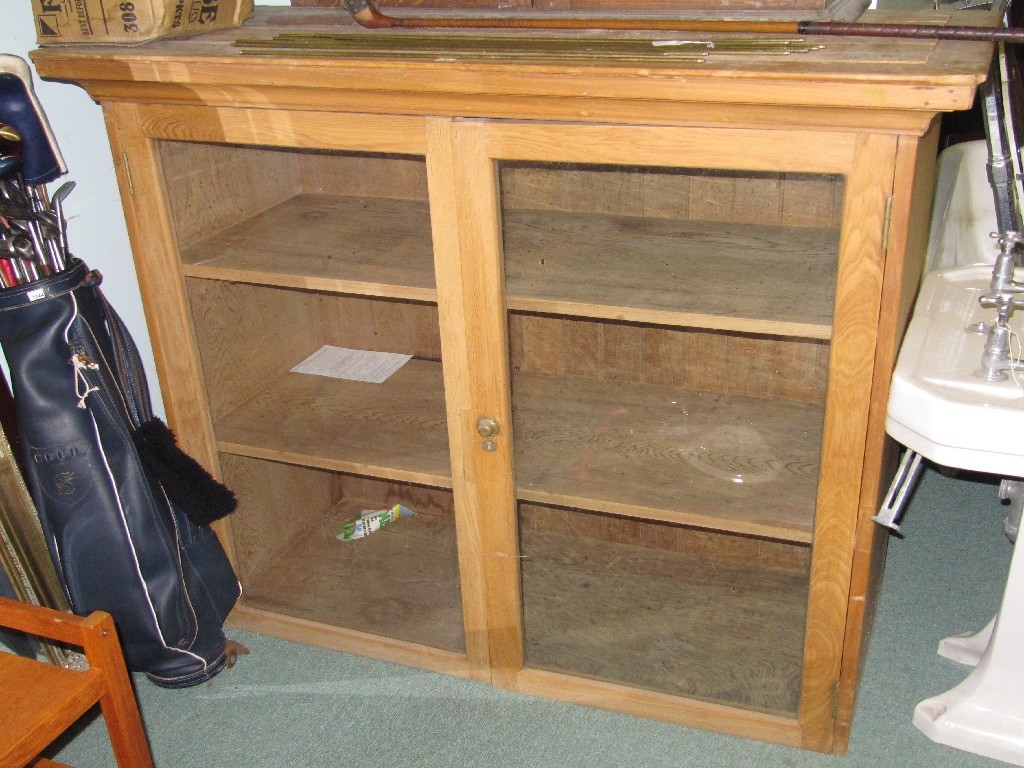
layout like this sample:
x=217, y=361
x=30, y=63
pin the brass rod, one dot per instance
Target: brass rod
x=340, y=53
x=435, y=42
x=556, y=48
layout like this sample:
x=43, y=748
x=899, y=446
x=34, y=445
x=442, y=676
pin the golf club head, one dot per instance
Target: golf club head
x=7, y=133
x=10, y=167
x=20, y=109
x=11, y=209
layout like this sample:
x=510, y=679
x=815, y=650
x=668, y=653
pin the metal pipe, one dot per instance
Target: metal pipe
x=912, y=31
x=1001, y=165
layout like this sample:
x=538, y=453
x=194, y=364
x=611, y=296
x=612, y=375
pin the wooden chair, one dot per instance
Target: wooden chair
x=41, y=700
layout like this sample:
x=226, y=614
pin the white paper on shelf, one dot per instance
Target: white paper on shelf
x=352, y=364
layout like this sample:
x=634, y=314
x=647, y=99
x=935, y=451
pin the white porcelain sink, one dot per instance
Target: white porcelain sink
x=937, y=407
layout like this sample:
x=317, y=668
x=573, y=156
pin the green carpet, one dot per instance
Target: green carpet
x=293, y=705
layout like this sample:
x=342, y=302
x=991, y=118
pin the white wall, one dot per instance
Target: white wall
x=96, y=226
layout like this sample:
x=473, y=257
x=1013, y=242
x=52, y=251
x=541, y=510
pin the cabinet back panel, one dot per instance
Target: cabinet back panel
x=382, y=325
x=787, y=199
x=709, y=361
x=654, y=534
x=425, y=502
x=395, y=177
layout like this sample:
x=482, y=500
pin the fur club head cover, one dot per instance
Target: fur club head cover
x=202, y=498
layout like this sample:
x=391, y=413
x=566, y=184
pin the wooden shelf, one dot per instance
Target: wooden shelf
x=395, y=430
x=725, y=462
x=319, y=242
x=731, y=463
x=692, y=274
x=739, y=277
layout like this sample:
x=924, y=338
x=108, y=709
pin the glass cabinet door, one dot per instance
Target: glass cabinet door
x=681, y=422
x=309, y=276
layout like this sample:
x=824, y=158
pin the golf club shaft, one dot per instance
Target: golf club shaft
x=366, y=13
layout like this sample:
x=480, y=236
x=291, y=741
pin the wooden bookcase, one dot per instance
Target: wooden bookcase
x=676, y=292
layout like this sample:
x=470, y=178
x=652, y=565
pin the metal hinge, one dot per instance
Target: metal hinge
x=128, y=174
x=886, y=225
x=835, y=701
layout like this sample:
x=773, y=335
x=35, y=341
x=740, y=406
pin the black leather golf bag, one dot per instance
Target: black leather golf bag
x=114, y=512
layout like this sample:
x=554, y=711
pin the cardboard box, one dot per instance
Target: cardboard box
x=129, y=22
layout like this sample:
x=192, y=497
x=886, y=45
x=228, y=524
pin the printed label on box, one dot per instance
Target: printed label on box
x=130, y=22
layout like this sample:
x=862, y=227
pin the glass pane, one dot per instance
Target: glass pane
x=308, y=274
x=311, y=219
x=664, y=607
x=669, y=340
x=668, y=423
x=754, y=252
x=402, y=581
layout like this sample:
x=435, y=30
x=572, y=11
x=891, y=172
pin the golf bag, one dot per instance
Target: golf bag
x=124, y=512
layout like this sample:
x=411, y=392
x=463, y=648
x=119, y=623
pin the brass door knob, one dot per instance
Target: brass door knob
x=487, y=427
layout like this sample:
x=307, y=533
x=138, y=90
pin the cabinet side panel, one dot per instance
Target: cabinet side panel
x=210, y=188
x=908, y=241
x=277, y=504
x=150, y=229
x=249, y=335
